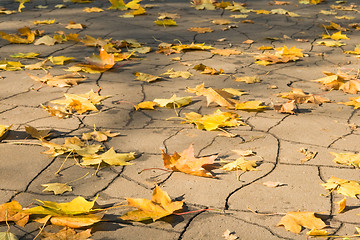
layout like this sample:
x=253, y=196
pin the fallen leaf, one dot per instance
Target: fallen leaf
x=146, y=105
x=286, y=107
x=239, y=16
x=226, y=52
x=308, y=154
x=220, y=97
x=299, y=96
x=186, y=162
x=110, y=157
x=81, y=103
x=313, y=2
x=146, y=77
x=200, y=29
x=100, y=136
x=13, y=38
x=73, y=214
x=240, y=164
x=294, y=221
x=345, y=187
x=92, y=9
x=39, y=134
x=60, y=60
x=234, y=92
x=10, y=65
x=250, y=106
x=57, y=188
x=165, y=15
x=334, y=26
x=274, y=184
x=249, y=41
x=244, y=153
x=229, y=235
x=207, y=70
x=67, y=234
x=221, y=21
x=25, y=55
x=356, y=51
x=94, y=42
x=158, y=207
x=342, y=205
x=99, y=63
x=354, y=101
x=330, y=43
x=52, y=21
x=46, y=40
x=282, y=55
x=265, y=48
x=72, y=145
x=248, y=21
x=12, y=212
x=335, y=36
x=66, y=80
x=248, y=79
x=349, y=159
x=56, y=111
x=203, y=4
x=176, y=74
x=317, y=232
x=214, y=121
x=4, y=129
x=166, y=22
x=173, y=102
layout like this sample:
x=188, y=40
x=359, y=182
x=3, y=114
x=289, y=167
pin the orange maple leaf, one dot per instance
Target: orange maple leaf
x=186, y=162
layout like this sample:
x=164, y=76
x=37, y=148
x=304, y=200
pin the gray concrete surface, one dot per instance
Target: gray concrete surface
x=274, y=136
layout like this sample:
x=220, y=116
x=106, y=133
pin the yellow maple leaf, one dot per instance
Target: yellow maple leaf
x=158, y=207
x=146, y=105
x=226, y=52
x=200, y=29
x=350, y=159
x=218, y=96
x=186, y=162
x=354, y=101
x=240, y=164
x=57, y=188
x=173, y=102
x=13, y=38
x=345, y=187
x=145, y=77
x=92, y=9
x=110, y=157
x=294, y=221
x=51, y=21
x=213, y=121
x=335, y=36
x=250, y=106
x=60, y=60
x=166, y=22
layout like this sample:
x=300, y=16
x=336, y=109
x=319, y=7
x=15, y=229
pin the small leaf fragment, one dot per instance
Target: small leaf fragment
x=145, y=77
x=240, y=164
x=57, y=188
x=342, y=205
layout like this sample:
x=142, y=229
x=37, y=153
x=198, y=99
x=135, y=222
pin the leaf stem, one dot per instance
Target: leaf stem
x=200, y=210
x=57, y=172
x=77, y=178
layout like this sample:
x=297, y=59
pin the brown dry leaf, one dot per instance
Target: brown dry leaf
x=299, y=96
x=282, y=55
x=186, y=162
x=308, y=154
x=249, y=41
x=281, y=2
x=349, y=159
x=145, y=77
x=200, y=29
x=67, y=234
x=39, y=134
x=100, y=136
x=158, y=207
x=220, y=97
x=74, y=25
x=334, y=26
x=57, y=111
x=66, y=80
x=46, y=40
x=248, y=79
x=345, y=187
x=294, y=221
x=12, y=212
x=207, y=70
x=226, y=52
x=221, y=21
x=229, y=235
x=272, y=184
x=248, y=21
x=92, y=9
x=94, y=42
x=286, y=107
x=342, y=205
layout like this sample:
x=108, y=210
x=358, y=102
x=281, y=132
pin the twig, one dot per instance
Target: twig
x=265, y=214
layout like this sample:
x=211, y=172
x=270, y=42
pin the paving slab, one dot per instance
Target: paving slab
x=237, y=200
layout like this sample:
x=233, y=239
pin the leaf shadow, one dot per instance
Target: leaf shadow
x=349, y=208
